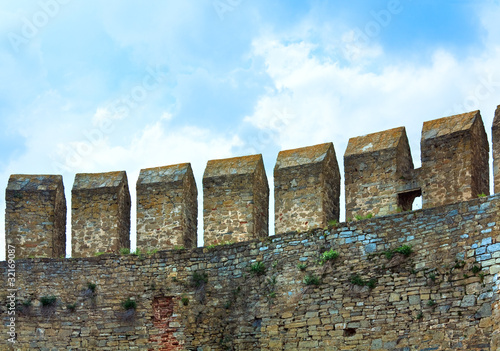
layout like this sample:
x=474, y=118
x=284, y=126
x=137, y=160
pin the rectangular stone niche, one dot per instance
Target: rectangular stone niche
x=165, y=324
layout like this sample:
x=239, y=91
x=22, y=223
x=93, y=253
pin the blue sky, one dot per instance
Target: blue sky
x=94, y=86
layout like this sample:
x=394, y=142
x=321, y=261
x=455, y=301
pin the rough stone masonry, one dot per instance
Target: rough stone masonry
x=380, y=178
x=100, y=213
x=35, y=216
x=167, y=208
x=306, y=188
x=235, y=200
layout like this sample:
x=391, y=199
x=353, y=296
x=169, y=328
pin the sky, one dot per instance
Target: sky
x=98, y=86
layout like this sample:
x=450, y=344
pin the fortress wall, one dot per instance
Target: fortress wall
x=100, y=213
x=167, y=208
x=35, y=216
x=212, y=299
x=306, y=188
x=235, y=200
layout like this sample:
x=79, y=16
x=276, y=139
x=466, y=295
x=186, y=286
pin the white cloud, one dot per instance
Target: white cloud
x=333, y=102
x=166, y=116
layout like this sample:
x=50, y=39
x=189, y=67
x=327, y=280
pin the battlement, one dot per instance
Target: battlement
x=426, y=279
x=455, y=155
x=373, y=165
x=380, y=179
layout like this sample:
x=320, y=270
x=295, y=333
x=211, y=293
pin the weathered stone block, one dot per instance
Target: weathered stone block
x=306, y=188
x=455, y=155
x=496, y=149
x=35, y=216
x=374, y=165
x=100, y=210
x=235, y=200
x=167, y=208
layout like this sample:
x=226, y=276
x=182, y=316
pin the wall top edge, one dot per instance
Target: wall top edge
x=303, y=156
x=34, y=182
x=385, y=140
x=449, y=125
x=232, y=166
x=165, y=174
x=99, y=180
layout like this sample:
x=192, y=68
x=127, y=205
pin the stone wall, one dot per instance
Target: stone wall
x=306, y=188
x=167, y=208
x=235, y=200
x=35, y=216
x=100, y=213
x=444, y=295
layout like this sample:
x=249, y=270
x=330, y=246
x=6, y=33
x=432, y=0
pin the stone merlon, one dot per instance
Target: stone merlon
x=100, y=213
x=233, y=166
x=454, y=153
x=374, y=164
x=24, y=182
x=385, y=140
x=94, y=181
x=235, y=200
x=175, y=174
x=447, y=126
x=35, y=215
x=167, y=208
x=306, y=188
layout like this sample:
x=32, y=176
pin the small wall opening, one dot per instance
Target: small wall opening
x=349, y=332
x=407, y=199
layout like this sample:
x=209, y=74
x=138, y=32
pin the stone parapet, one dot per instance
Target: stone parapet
x=442, y=292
